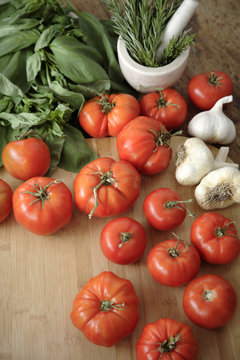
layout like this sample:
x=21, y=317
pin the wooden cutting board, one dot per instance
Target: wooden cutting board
x=41, y=275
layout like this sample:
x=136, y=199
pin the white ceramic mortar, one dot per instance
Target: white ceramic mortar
x=145, y=79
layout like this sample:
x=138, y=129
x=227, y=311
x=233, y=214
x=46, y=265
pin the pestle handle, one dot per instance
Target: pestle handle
x=177, y=24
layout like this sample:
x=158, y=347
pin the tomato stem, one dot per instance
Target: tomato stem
x=105, y=179
x=107, y=305
x=163, y=137
x=40, y=192
x=220, y=232
x=174, y=252
x=214, y=80
x=125, y=237
x=169, y=345
x=208, y=295
x=106, y=105
x=175, y=203
x=162, y=102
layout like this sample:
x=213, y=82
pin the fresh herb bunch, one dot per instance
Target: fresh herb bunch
x=141, y=24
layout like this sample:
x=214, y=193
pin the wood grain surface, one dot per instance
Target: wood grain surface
x=41, y=275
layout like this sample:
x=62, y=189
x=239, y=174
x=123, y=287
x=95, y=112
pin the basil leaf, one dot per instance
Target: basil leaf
x=77, y=64
x=47, y=35
x=33, y=65
x=8, y=88
x=18, y=41
x=76, y=152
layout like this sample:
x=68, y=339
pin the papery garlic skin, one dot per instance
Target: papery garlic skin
x=219, y=189
x=197, y=161
x=213, y=126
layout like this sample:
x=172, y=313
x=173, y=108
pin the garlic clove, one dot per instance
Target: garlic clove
x=194, y=160
x=219, y=189
x=213, y=126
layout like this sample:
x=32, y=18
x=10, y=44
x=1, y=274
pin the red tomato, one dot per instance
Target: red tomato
x=26, y=158
x=167, y=339
x=166, y=105
x=5, y=200
x=164, y=209
x=107, y=115
x=173, y=262
x=106, y=187
x=42, y=205
x=144, y=143
x=206, y=89
x=215, y=237
x=209, y=301
x=106, y=309
x=123, y=240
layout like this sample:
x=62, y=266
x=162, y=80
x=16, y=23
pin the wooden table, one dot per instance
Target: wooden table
x=40, y=276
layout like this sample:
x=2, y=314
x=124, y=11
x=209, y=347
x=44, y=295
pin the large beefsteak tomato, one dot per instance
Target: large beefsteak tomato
x=107, y=115
x=167, y=339
x=215, y=237
x=106, y=309
x=42, y=205
x=144, y=142
x=106, y=187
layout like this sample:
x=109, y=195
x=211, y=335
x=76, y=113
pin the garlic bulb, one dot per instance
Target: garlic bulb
x=195, y=160
x=213, y=125
x=219, y=189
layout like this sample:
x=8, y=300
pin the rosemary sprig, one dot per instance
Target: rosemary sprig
x=176, y=46
x=141, y=24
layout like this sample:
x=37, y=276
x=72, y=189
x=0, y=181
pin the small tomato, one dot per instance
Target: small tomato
x=206, y=89
x=42, y=205
x=173, y=262
x=209, y=301
x=123, y=240
x=24, y=159
x=164, y=209
x=166, y=105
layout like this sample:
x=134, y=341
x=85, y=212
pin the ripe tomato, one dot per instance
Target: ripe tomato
x=166, y=105
x=106, y=309
x=42, y=205
x=167, y=339
x=106, y=187
x=209, y=301
x=5, y=200
x=206, y=89
x=215, y=237
x=173, y=262
x=26, y=158
x=164, y=209
x=107, y=115
x=144, y=143
x=123, y=240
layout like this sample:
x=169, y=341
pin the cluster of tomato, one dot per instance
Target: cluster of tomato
x=106, y=309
